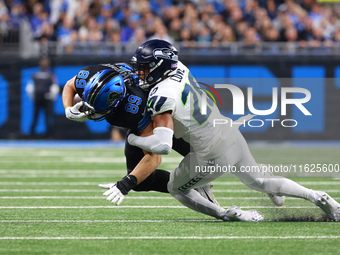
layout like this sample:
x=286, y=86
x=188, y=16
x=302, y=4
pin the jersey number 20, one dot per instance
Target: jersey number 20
x=194, y=88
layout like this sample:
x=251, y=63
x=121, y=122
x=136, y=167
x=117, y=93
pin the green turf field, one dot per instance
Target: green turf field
x=50, y=204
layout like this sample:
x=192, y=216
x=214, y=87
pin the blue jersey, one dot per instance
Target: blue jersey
x=131, y=112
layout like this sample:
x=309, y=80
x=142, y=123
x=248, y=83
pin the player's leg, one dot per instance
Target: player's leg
x=183, y=148
x=240, y=156
x=158, y=180
x=184, y=179
x=277, y=185
x=188, y=196
x=250, y=173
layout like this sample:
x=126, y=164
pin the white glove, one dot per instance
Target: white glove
x=106, y=186
x=73, y=113
x=113, y=194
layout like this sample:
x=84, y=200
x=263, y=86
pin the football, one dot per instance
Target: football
x=77, y=99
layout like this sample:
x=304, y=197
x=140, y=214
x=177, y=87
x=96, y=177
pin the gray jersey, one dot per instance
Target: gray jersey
x=181, y=95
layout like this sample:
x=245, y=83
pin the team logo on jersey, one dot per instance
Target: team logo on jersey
x=165, y=53
x=153, y=91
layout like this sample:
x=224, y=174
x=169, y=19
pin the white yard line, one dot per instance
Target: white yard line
x=65, y=176
x=142, y=207
x=56, y=153
x=102, y=221
x=52, y=190
x=301, y=183
x=56, y=161
x=82, y=197
x=227, y=183
x=58, y=171
x=50, y=183
x=138, y=198
x=79, y=159
x=99, y=190
x=89, y=207
x=161, y=237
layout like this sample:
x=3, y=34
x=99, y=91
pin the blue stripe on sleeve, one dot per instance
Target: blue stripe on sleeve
x=144, y=122
x=160, y=103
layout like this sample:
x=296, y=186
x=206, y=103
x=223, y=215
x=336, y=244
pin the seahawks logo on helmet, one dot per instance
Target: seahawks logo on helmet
x=165, y=53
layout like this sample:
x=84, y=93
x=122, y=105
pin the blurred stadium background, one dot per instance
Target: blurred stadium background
x=222, y=39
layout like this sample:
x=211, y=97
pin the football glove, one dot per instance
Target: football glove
x=114, y=194
x=117, y=191
x=73, y=113
x=106, y=186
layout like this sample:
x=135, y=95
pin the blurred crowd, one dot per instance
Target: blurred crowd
x=193, y=23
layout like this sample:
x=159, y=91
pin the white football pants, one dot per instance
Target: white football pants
x=193, y=172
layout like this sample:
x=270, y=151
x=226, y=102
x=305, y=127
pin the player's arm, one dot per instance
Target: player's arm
x=69, y=92
x=72, y=112
x=160, y=142
x=149, y=162
x=145, y=167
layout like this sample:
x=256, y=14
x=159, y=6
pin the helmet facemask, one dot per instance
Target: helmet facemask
x=153, y=61
x=92, y=114
x=142, y=70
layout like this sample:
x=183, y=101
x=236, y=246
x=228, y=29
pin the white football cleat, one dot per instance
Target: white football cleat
x=277, y=200
x=328, y=205
x=235, y=213
x=206, y=192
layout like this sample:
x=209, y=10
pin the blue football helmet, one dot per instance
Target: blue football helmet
x=154, y=60
x=103, y=93
x=128, y=68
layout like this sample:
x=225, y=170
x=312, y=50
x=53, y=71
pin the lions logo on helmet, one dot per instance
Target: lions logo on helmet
x=112, y=96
